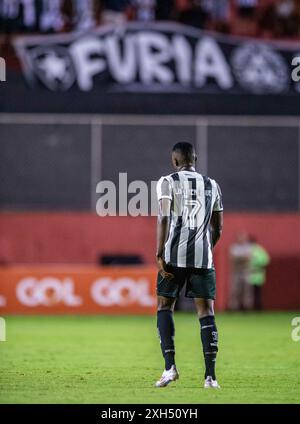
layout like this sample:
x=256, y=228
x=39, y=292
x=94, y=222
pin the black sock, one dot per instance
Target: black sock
x=166, y=331
x=209, y=338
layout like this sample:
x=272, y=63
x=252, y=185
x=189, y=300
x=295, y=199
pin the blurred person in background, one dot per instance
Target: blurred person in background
x=142, y=10
x=84, y=12
x=259, y=260
x=266, y=19
x=218, y=12
x=67, y=11
x=245, y=19
x=115, y=11
x=192, y=12
x=246, y=8
x=240, y=257
x=165, y=10
x=34, y=15
x=280, y=19
x=286, y=19
x=51, y=17
x=18, y=15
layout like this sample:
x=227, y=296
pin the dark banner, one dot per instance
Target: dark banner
x=158, y=57
x=157, y=68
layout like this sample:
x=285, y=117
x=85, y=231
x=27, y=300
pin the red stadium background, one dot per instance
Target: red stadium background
x=217, y=74
x=70, y=239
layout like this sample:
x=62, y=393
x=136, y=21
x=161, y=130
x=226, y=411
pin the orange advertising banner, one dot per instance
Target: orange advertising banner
x=77, y=290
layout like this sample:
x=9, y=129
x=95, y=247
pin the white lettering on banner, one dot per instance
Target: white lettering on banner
x=47, y=291
x=158, y=57
x=122, y=292
x=183, y=58
x=147, y=54
x=211, y=63
x=155, y=52
x=83, y=52
x=124, y=68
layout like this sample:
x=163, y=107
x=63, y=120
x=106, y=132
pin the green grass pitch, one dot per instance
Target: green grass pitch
x=103, y=359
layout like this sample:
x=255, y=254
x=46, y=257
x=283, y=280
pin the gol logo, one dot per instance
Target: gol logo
x=122, y=292
x=47, y=291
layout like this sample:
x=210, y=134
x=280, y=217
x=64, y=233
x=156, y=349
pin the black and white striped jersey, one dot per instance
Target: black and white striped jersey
x=193, y=199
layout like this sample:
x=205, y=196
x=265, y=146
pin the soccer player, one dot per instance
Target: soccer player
x=189, y=225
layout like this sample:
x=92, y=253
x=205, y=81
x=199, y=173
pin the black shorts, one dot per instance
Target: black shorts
x=200, y=282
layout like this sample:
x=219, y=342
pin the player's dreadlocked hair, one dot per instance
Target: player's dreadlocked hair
x=187, y=151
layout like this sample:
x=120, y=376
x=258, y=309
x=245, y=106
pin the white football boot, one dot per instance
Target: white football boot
x=167, y=376
x=211, y=384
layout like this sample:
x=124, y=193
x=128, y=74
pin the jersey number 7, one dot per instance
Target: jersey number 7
x=190, y=211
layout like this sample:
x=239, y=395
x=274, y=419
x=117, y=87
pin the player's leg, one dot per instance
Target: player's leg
x=167, y=293
x=209, y=334
x=201, y=286
x=166, y=329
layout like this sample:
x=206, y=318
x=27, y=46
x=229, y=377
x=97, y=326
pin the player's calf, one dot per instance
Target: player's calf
x=209, y=338
x=166, y=331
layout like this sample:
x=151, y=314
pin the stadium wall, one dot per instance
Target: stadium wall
x=81, y=238
x=54, y=162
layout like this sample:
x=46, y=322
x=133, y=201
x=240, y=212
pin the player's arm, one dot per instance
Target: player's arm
x=216, y=224
x=163, y=224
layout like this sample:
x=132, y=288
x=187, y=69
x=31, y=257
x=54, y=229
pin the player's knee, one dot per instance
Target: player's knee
x=205, y=309
x=165, y=303
x=205, y=312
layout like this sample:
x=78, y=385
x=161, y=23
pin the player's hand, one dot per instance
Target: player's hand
x=161, y=269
